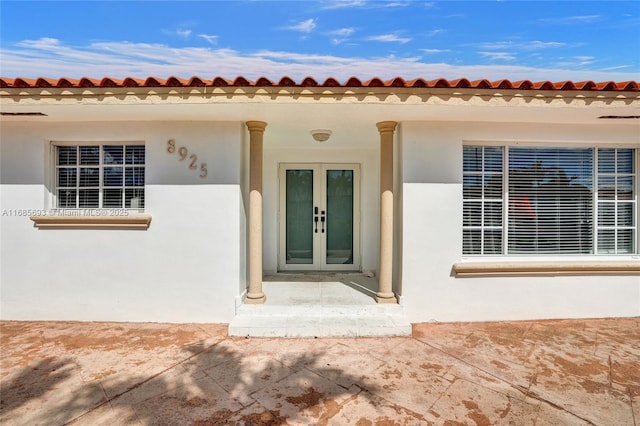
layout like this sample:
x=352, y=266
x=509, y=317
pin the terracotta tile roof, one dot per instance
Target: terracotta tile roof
x=240, y=81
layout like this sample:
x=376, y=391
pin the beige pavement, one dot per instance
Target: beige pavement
x=522, y=373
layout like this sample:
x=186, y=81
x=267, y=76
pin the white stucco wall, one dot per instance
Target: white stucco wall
x=432, y=234
x=190, y=265
x=187, y=267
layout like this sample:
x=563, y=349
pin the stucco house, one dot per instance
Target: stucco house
x=171, y=200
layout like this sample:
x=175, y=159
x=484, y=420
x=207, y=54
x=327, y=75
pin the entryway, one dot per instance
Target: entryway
x=302, y=245
x=319, y=217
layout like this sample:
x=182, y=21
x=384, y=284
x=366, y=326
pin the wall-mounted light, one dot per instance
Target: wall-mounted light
x=321, y=135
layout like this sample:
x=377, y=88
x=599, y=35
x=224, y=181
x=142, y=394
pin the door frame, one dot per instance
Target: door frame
x=319, y=190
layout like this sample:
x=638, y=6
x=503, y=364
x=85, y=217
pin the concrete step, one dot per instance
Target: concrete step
x=320, y=321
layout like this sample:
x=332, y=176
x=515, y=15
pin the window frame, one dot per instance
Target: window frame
x=53, y=174
x=595, y=146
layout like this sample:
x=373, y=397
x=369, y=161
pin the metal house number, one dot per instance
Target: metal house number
x=183, y=153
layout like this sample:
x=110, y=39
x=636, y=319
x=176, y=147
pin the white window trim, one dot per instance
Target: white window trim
x=553, y=265
x=547, y=268
x=88, y=218
x=61, y=221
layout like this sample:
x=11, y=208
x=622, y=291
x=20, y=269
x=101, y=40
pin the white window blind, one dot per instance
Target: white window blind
x=483, y=202
x=559, y=201
x=616, y=201
x=100, y=176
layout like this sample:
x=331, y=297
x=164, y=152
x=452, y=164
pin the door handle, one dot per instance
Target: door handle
x=322, y=220
x=315, y=219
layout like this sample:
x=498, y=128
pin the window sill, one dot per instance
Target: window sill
x=548, y=268
x=132, y=221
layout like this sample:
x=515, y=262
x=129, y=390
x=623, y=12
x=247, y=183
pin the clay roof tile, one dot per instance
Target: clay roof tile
x=132, y=82
x=373, y=82
x=396, y=82
x=331, y=82
x=607, y=85
x=460, y=83
x=501, y=84
x=523, y=85
x=176, y=82
x=220, y=82
x=196, y=82
x=628, y=85
x=309, y=82
x=23, y=82
x=585, y=85
x=88, y=82
x=264, y=82
x=417, y=83
x=66, y=83
x=286, y=81
x=355, y=82
x=241, y=81
x=152, y=82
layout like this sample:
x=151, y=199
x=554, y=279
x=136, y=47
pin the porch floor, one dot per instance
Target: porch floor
x=320, y=305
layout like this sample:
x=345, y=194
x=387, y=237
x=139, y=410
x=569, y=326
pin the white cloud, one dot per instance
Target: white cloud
x=376, y=4
x=435, y=51
x=304, y=27
x=397, y=4
x=343, y=4
x=577, y=19
x=343, y=32
x=435, y=32
x=521, y=45
x=42, y=43
x=213, y=39
x=499, y=56
x=535, y=44
x=389, y=38
x=619, y=67
x=577, y=61
x=183, y=33
x=51, y=58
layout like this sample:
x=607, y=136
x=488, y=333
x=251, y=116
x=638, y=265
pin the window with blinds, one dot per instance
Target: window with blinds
x=100, y=176
x=558, y=201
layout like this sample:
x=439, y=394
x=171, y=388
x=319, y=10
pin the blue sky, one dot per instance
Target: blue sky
x=538, y=40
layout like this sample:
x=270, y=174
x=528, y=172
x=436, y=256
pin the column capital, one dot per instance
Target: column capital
x=387, y=126
x=256, y=126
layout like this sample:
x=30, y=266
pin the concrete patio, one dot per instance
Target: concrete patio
x=568, y=372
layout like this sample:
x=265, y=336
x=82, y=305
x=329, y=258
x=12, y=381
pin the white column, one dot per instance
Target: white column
x=385, y=276
x=256, y=133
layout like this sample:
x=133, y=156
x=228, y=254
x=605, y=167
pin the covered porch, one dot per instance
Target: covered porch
x=384, y=212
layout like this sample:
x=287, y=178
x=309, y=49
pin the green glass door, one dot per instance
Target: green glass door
x=339, y=201
x=299, y=223
x=319, y=217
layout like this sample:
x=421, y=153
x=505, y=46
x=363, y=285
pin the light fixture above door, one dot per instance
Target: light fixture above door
x=321, y=135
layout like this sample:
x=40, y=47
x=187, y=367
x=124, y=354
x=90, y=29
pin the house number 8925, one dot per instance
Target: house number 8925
x=183, y=153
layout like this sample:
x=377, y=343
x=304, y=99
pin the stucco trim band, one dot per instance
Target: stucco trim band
x=133, y=221
x=568, y=267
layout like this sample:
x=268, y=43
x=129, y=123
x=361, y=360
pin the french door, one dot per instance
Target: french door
x=319, y=217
